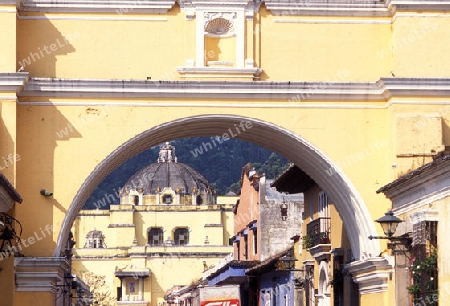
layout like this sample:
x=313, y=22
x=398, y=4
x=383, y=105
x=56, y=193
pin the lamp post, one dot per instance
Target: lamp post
x=389, y=224
x=288, y=261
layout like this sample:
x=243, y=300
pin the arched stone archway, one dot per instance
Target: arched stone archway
x=312, y=160
x=324, y=287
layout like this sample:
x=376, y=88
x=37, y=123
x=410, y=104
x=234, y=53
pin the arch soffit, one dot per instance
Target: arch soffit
x=311, y=159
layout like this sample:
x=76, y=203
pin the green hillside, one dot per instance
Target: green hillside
x=220, y=162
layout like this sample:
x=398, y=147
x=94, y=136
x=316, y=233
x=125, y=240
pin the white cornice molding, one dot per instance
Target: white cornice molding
x=100, y=6
x=277, y=7
x=293, y=92
x=13, y=82
x=220, y=72
x=421, y=189
x=419, y=5
x=185, y=89
x=418, y=200
x=330, y=8
x=117, y=17
x=424, y=215
x=39, y=273
x=321, y=252
x=219, y=5
x=351, y=7
x=371, y=274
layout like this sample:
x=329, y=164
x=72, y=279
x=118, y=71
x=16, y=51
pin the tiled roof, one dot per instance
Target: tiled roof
x=10, y=189
x=434, y=164
x=293, y=180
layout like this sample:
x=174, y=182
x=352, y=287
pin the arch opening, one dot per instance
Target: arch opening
x=348, y=202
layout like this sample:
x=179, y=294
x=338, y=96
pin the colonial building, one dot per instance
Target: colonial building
x=355, y=93
x=420, y=200
x=264, y=221
x=167, y=229
x=322, y=249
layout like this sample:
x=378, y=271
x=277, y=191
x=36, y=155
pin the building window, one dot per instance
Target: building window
x=246, y=247
x=181, y=236
x=95, y=239
x=155, y=236
x=324, y=211
x=255, y=241
x=167, y=199
x=136, y=200
x=424, y=263
x=238, y=250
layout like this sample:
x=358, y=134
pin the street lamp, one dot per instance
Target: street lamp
x=389, y=224
x=283, y=211
x=288, y=261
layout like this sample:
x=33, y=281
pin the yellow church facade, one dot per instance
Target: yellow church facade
x=355, y=93
x=167, y=228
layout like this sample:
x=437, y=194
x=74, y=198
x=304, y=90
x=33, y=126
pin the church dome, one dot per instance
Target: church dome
x=167, y=172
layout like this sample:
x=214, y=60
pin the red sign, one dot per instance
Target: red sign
x=227, y=302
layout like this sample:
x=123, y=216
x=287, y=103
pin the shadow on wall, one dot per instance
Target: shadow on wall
x=39, y=45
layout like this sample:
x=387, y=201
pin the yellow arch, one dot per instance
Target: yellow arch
x=311, y=159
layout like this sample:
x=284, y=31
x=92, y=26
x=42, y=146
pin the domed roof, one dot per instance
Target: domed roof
x=167, y=172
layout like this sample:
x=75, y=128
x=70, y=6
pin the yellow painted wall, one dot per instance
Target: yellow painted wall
x=169, y=265
x=8, y=38
x=7, y=283
x=315, y=47
x=411, y=40
x=30, y=298
x=220, y=49
x=165, y=271
x=364, y=142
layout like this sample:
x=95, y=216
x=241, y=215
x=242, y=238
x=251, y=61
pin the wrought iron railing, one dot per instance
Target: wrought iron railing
x=318, y=231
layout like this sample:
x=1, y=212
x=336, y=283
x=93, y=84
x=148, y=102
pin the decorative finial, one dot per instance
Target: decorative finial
x=167, y=153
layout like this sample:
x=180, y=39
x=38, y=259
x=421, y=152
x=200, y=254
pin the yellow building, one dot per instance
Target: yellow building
x=165, y=231
x=323, y=253
x=355, y=93
x=420, y=202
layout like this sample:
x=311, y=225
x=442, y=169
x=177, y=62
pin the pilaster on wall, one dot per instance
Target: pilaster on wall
x=39, y=274
x=10, y=85
x=238, y=17
x=8, y=19
x=372, y=274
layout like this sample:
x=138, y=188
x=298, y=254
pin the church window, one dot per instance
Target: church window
x=181, y=236
x=95, y=239
x=167, y=199
x=155, y=236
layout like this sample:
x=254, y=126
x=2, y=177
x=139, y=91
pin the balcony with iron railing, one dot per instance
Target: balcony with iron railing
x=318, y=232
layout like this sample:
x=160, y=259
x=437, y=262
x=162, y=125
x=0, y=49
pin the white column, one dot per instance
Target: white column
x=199, y=40
x=141, y=286
x=240, y=39
x=124, y=289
